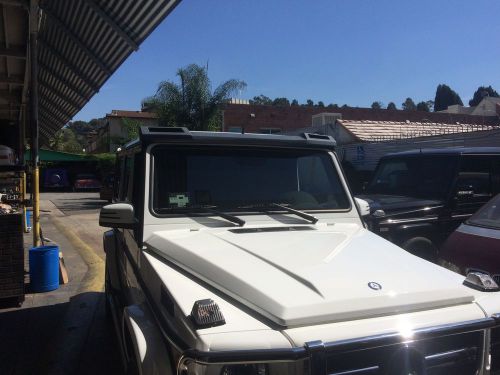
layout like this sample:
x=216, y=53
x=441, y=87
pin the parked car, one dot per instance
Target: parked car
x=418, y=198
x=7, y=155
x=246, y=254
x=475, y=245
x=106, y=191
x=86, y=182
x=56, y=178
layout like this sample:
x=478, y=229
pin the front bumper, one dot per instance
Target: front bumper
x=460, y=348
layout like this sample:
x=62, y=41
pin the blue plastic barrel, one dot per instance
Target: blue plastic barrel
x=44, y=268
x=29, y=216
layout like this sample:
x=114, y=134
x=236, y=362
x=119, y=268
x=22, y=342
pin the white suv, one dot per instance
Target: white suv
x=238, y=254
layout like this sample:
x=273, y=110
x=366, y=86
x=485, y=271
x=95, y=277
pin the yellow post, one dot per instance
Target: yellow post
x=35, y=221
x=23, y=199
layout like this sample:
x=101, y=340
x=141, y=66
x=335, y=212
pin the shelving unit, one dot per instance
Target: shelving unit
x=11, y=236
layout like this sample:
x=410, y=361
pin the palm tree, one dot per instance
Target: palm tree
x=191, y=102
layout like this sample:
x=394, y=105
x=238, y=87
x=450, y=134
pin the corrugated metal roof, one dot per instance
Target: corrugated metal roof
x=379, y=131
x=81, y=43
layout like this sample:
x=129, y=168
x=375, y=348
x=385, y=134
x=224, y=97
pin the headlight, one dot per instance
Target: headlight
x=481, y=281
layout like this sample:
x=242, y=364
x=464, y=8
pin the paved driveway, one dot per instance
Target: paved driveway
x=64, y=331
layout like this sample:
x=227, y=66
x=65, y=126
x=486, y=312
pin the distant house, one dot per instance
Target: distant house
x=363, y=142
x=117, y=129
x=250, y=118
x=489, y=106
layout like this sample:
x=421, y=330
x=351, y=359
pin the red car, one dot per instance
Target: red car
x=475, y=245
x=86, y=182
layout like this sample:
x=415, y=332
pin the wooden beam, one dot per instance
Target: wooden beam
x=17, y=52
x=70, y=34
x=15, y=3
x=12, y=80
x=111, y=22
x=11, y=96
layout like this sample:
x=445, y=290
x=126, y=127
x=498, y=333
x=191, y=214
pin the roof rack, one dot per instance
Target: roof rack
x=318, y=136
x=150, y=130
x=181, y=135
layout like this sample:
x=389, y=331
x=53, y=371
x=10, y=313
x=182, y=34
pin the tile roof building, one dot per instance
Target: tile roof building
x=116, y=130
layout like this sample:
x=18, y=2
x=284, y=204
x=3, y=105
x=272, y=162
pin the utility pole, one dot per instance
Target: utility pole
x=33, y=23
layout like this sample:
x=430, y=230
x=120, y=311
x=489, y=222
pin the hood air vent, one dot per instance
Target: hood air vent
x=272, y=229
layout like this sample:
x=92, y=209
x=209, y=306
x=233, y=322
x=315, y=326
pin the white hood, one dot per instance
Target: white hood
x=312, y=276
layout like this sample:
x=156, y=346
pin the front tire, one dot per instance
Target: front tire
x=421, y=247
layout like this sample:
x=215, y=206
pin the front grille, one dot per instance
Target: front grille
x=459, y=354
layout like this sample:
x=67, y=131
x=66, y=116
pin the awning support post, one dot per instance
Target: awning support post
x=34, y=13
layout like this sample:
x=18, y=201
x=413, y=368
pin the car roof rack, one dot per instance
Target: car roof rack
x=170, y=130
x=182, y=135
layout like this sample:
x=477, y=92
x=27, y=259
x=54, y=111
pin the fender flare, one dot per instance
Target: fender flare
x=150, y=350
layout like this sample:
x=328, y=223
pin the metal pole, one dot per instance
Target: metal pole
x=22, y=145
x=34, y=12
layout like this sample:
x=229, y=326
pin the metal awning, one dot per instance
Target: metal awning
x=80, y=43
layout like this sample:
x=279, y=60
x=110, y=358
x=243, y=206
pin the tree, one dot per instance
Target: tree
x=377, y=105
x=65, y=140
x=321, y=104
x=445, y=97
x=191, y=102
x=261, y=100
x=423, y=106
x=409, y=105
x=309, y=103
x=333, y=105
x=294, y=103
x=282, y=102
x=391, y=105
x=480, y=93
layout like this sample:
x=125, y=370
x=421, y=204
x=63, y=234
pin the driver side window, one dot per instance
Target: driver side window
x=475, y=176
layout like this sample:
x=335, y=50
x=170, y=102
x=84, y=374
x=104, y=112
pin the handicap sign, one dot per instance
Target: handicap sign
x=360, y=153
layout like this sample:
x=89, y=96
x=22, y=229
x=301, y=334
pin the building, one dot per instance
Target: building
x=489, y=106
x=277, y=119
x=118, y=129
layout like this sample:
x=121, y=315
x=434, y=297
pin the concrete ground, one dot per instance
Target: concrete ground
x=63, y=331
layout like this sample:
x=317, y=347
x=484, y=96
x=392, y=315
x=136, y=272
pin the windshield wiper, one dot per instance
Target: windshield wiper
x=269, y=206
x=231, y=218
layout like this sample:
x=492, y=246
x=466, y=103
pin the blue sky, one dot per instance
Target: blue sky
x=338, y=51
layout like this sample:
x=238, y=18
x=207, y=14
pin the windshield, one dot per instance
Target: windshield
x=488, y=215
x=426, y=177
x=186, y=179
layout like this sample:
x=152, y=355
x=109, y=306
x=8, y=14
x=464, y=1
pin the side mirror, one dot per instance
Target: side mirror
x=363, y=206
x=117, y=215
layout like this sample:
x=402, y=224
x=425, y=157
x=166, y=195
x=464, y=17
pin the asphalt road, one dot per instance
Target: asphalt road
x=82, y=213
x=75, y=203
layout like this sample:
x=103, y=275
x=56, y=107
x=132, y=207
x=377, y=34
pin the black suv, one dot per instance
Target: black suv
x=417, y=198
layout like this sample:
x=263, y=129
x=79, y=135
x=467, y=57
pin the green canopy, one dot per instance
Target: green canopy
x=49, y=155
